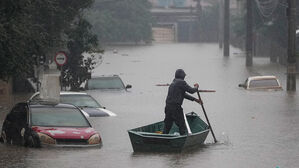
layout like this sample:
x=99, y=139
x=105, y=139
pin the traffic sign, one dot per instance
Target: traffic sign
x=60, y=58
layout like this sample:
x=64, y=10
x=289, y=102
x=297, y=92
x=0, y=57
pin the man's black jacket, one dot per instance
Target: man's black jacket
x=177, y=92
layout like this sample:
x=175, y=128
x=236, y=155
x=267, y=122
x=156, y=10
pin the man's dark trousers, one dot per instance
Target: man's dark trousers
x=174, y=113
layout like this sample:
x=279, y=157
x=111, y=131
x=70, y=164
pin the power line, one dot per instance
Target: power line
x=267, y=7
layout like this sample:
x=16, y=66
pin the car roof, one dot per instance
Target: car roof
x=44, y=103
x=72, y=93
x=261, y=77
x=66, y=93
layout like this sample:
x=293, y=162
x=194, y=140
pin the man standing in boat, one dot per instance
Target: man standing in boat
x=176, y=94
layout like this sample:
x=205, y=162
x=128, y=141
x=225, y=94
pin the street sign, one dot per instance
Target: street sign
x=60, y=58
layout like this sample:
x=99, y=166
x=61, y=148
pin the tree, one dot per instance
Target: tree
x=80, y=40
x=121, y=21
x=15, y=42
x=30, y=27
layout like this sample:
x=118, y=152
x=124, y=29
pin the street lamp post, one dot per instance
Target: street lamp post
x=249, y=34
x=226, y=28
x=291, y=66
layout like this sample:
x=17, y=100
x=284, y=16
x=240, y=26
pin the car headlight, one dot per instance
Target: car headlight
x=46, y=139
x=94, y=139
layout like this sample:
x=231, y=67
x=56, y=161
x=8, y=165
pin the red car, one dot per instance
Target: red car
x=37, y=124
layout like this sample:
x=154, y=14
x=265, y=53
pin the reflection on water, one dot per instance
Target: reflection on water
x=254, y=128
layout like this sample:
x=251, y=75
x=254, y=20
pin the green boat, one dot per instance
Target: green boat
x=149, y=138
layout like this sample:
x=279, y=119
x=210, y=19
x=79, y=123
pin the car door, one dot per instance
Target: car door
x=15, y=124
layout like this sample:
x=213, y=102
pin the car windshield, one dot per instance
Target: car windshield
x=80, y=100
x=105, y=83
x=263, y=83
x=57, y=117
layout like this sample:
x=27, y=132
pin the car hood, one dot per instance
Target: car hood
x=66, y=133
x=98, y=112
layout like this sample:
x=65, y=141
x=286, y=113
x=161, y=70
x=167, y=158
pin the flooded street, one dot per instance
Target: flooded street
x=254, y=128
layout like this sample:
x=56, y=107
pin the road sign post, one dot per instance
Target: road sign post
x=60, y=59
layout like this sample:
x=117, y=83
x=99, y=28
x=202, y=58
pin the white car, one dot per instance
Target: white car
x=261, y=82
x=88, y=104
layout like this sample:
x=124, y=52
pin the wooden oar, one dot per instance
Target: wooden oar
x=198, y=90
x=206, y=90
x=187, y=124
x=204, y=111
x=165, y=84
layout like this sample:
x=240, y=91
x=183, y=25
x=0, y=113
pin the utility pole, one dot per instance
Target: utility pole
x=249, y=33
x=291, y=67
x=226, y=28
x=220, y=23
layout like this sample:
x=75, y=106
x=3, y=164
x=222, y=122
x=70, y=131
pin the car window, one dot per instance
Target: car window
x=58, y=117
x=263, y=83
x=80, y=100
x=105, y=83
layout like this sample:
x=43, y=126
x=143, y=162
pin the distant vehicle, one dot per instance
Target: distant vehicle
x=261, y=82
x=37, y=124
x=82, y=100
x=106, y=83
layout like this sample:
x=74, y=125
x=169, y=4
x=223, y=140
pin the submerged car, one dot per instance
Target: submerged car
x=82, y=100
x=106, y=83
x=37, y=124
x=262, y=82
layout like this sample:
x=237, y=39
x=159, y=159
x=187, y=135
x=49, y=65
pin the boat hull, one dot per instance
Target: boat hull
x=149, y=138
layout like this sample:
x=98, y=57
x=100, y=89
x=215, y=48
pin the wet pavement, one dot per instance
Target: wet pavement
x=254, y=128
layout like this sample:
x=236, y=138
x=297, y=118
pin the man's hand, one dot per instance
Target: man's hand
x=199, y=101
x=196, y=85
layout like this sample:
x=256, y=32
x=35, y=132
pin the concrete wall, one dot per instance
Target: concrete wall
x=164, y=34
x=5, y=94
x=7, y=98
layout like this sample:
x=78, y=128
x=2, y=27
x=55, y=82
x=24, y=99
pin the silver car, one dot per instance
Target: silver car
x=88, y=104
x=113, y=82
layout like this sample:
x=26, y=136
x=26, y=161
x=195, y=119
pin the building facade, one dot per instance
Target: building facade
x=175, y=20
x=172, y=3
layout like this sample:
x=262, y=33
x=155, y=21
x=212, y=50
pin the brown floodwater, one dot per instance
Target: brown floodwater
x=254, y=128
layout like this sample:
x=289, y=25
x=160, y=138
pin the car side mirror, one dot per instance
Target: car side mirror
x=128, y=86
x=242, y=85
